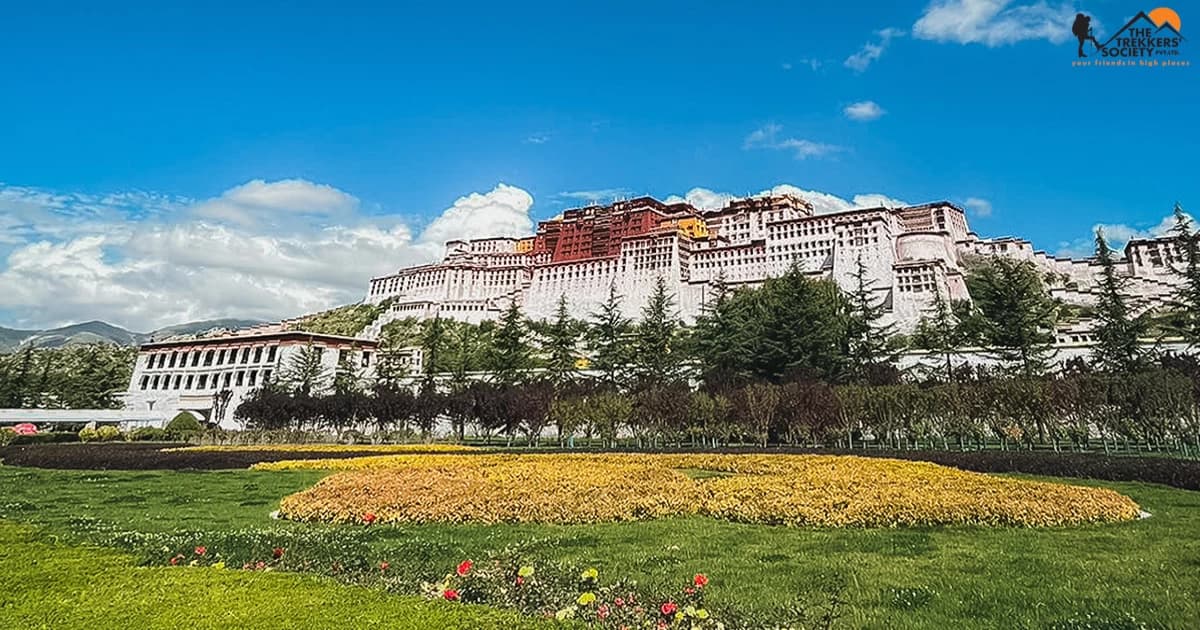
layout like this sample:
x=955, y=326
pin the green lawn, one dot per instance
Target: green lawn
x=44, y=585
x=1134, y=575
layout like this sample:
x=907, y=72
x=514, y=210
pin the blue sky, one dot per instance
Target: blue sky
x=133, y=133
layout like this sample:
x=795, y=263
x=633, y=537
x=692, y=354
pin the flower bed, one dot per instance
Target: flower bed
x=822, y=490
x=328, y=448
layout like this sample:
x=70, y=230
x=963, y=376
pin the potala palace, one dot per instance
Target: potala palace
x=908, y=252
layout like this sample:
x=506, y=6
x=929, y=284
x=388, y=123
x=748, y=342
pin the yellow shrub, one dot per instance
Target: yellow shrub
x=823, y=490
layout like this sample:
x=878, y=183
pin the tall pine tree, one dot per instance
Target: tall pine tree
x=1118, y=331
x=942, y=331
x=866, y=335
x=561, y=336
x=658, y=359
x=1187, y=296
x=510, y=357
x=1018, y=314
x=609, y=341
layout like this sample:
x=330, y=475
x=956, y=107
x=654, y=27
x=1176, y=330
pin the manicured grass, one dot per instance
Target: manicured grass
x=45, y=585
x=1131, y=575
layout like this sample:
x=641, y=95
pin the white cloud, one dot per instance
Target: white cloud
x=872, y=51
x=275, y=203
x=994, y=22
x=978, y=206
x=1118, y=235
x=537, y=138
x=144, y=261
x=767, y=137
x=785, y=66
x=823, y=202
x=863, y=111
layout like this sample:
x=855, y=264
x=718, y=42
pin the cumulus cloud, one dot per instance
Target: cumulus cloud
x=978, y=207
x=598, y=195
x=863, y=111
x=1118, y=235
x=872, y=50
x=261, y=250
x=703, y=198
x=767, y=137
x=994, y=22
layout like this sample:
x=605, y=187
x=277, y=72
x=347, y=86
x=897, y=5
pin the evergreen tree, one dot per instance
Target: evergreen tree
x=349, y=377
x=561, y=336
x=1018, y=314
x=717, y=341
x=1187, y=297
x=942, y=331
x=433, y=342
x=510, y=357
x=867, y=338
x=1118, y=332
x=658, y=359
x=304, y=373
x=465, y=344
x=608, y=340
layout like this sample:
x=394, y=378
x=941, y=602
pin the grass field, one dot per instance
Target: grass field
x=1132, y=575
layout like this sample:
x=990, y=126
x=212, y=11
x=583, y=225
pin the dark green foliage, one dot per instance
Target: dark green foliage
x=1017, y=315
x=1119, y=332
x=867, y=337
x=184, y=425
x=510, y=354
x=560, y=339
x=149, y=434
x=609, y=341
x=944, y=331
x=1187, y=297
x=71, y=377
x=55, y=437
x=658, y=356
x=791, y=326
x=304, y=372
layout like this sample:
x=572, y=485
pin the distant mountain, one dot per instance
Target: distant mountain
x=192, y=328
x=101, y=332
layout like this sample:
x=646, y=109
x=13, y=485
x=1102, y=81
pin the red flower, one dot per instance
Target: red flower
x=450, y=594
x=700, y=580
x=200, y=551
x=464, y=568
x=602, y=611
x=277, y=553
x=668, y=608
x=619, y=602
x=369, y=518
x=383, y=566
x=260, y=565
x=662, y=625
x=689, y=590
x=175, y=561
x=520, y=580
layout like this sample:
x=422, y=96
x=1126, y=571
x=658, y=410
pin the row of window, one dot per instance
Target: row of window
x=228, y=356
x=192, y=382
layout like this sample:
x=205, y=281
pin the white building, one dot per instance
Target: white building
x=908, y=252
x=210, y=376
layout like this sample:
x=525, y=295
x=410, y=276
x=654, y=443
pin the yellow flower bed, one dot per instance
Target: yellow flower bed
x=330, y=448
x=523, y=491
x=822, y=490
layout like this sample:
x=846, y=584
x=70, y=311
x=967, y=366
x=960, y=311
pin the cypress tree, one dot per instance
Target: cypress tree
x=510, y=355
x=561, y=336
x=941, y=331
x=1018, y=314
x=1118, y=332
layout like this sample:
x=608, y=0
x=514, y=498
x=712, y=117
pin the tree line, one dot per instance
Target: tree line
x=72, y=377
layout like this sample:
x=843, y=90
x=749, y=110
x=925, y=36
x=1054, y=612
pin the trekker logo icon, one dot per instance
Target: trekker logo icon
x=1148, y=39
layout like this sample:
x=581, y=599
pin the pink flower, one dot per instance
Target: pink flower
x=602, y=611
x=277, y=553
x=700, y=580
x=175, y=561
x=520, y=580
x=464, y=568
x=200, y=551
x=689, y=590
x=383, y=566
x=618, y=602
x=369, y=518
x=668, y=608
x=450, y=595
x=260, y=565
x=662, y=625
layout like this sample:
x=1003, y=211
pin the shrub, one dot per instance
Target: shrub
x=183, y=426
x=149, y=434
x=88, y=435
x=7, y=435
x=108, y=434
x=44, y=438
